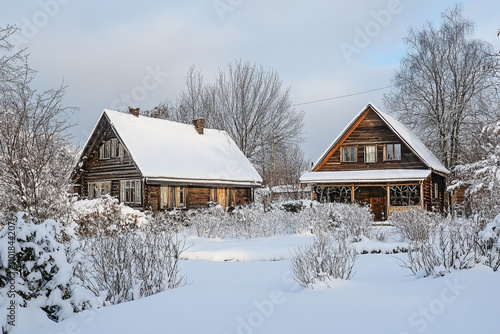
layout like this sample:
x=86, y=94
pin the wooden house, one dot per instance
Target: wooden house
x=377, y=160
x=154, y=164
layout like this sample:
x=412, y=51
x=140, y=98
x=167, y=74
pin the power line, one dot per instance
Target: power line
x=339, y=97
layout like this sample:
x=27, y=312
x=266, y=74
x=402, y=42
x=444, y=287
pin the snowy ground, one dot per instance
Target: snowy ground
x=245, y=286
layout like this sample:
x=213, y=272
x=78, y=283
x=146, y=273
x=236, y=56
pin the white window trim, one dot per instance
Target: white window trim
x=166, y=200
x=111, y=149
x=97, y=189
x=366, y=160
x=137, y=185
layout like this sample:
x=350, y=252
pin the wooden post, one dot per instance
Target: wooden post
x=312, y=192
x=353, y=198
x=388, y=202
x=422, y=194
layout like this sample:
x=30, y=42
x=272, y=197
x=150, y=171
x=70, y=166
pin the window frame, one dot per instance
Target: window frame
x=97, y=189
x=393, y=152
x=131, y=191
x=374, y=154
x=350, y=148
x=176, y=197
x=111, y=149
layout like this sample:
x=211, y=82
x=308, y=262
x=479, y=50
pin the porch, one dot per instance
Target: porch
x=384, y=199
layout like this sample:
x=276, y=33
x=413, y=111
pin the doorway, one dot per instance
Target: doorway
x=376, y=197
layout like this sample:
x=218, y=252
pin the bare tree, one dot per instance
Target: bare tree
x=249, y=103
x=35, y=157
x=443, y=85
x=164, y=110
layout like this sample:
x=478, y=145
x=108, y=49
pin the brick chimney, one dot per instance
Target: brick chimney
x=134, y=111
x=199, y=125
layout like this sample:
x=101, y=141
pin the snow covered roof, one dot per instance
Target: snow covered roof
x=369, y=176
x=169, y=151
x=411, y=140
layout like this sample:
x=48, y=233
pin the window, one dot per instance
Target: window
x=111, y=149
x=131, y=191
x=98, y=189
x=333, y=194
x=405, y=195
x=349, y=154
x=436, y=190
x=173, y=197
x=392, y=152
x=370, y=153
x=181, y=197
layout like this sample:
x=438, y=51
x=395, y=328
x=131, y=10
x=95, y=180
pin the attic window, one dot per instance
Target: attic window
x=111, y=149
x=349, y=154
x=392, y=152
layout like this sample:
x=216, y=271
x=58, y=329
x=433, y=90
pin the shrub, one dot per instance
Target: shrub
x=211, y=222
x=323, y=261
x=489, y=243
x=127, y=264
x=450, y=246
x=105, y=214
x=414, y=225
x=344, y=221
x=41, y=269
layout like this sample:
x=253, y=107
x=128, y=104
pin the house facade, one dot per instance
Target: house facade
x=378, y=161
x=155, y=164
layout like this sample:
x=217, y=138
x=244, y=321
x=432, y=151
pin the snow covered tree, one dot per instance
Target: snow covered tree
x=481, y=179
x=35, y=156
x=444, y=86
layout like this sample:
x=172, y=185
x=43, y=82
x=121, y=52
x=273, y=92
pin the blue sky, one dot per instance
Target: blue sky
x=105, y=50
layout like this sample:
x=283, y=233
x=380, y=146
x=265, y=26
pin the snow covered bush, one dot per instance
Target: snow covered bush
x=452, y=245
x=343, y=221
x=489, y=244
x=40, y=268
x=125, y=264
x=414, y=225
x=105, y=214
x=211, y=222
x=323, y=261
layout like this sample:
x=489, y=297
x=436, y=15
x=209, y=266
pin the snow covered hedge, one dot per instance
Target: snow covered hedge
x=341, y=220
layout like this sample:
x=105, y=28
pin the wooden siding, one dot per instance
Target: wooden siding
x=198, y=197
x=243, y=196
x=372, y=131
x=151, y=197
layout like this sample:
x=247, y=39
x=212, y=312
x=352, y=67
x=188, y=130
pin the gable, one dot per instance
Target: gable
x=373, y=127
x=97, y=168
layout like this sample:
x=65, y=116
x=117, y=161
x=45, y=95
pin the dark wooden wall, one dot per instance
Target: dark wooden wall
x=113, y=169
x=198, y=198
x=431, y=203
x=372, y=130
